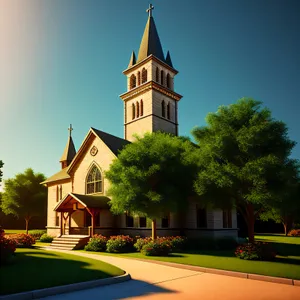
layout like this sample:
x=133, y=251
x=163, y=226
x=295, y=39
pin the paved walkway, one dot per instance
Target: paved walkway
x=153, y=281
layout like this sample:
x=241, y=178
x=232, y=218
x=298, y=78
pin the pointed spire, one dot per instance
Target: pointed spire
x=69, y=151
x=132, y=60
x=150, y=43
x=168, y=60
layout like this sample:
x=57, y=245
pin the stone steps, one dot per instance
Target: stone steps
x=69, y=242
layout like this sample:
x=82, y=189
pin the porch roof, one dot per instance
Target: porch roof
x=84, y=201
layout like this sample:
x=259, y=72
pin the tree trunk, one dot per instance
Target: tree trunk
x=154, y=235
x=250, y=221
x=26, y=222
x=285, y=228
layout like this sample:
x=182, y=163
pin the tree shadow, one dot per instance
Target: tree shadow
x=124, y=290
x=284, y=249
x=32, y=270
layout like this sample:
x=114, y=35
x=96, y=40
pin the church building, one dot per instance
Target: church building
x=77, y=201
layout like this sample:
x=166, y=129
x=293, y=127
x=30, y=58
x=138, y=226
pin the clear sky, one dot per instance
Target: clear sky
x=61, y=62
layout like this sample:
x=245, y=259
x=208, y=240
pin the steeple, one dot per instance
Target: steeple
x=150, y=102
x=150, y=43
x=69, y=151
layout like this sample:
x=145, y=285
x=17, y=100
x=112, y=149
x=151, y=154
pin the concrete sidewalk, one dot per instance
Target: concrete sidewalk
x=154, y=281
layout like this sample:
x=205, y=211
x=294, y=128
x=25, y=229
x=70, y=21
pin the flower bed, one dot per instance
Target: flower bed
x=255, y=251
x=7, y=248
x=120, y=244
x=294, y=232
x=22, y=240
x=97, y=243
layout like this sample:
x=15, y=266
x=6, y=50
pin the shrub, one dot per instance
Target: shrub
x=294, y=232
x=37, y=233
x=177, y=243
x=7, y=248
x=141, y=242
x=22, y=240
x=255, y=251
x=158, y=247
x=97, y=243
x=45, y=238
x=120, y=244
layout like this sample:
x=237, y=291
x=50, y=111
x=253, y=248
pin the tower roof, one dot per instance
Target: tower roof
x=169, y=60
x=69, y=151
x=150, y=43
x=132, y=60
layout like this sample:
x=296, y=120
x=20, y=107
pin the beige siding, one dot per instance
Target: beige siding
x=52, y=199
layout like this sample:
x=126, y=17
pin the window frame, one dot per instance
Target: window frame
x=94, y=182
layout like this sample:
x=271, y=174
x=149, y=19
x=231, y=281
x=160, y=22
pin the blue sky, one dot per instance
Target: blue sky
x=62, y=61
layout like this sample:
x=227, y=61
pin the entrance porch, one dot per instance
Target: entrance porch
x=84, y=215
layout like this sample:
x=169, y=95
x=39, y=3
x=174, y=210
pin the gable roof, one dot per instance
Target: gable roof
x=114, y=143
x=88, y=201
x=62, y=174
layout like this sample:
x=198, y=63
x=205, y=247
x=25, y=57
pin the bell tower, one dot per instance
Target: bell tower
x=150, y=103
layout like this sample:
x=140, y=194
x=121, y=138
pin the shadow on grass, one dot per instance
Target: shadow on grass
x=36, y=269
x=284, y=249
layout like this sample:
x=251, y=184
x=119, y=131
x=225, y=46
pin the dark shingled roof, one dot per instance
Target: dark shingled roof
x=114, y=143
x=62, y=174
x=150, y=43
x=91, y=200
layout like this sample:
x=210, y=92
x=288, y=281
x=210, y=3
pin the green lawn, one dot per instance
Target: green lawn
x=287, y=263
x=34, y=269
x=14, y=231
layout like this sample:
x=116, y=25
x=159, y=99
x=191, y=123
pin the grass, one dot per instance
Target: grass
x=14, y=231
x=286, y=264
x=33, y=269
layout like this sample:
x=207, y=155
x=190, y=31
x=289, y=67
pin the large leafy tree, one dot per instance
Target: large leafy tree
x=152, y=176
x=24, y=196
x=244, y=154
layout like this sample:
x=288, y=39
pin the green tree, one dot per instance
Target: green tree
x=24, y=196
x=287, y=210
x=1, y=173
x=152, y=176
x=243, y=154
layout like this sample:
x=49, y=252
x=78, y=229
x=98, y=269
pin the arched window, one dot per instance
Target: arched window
x=141, y=107
x=139, y=77
x=137, y=110
x=162, y=77
x=168, y=80
x=144, y=75
x=168, y=111
x=132, y=81
x=163, y=109
x=94, y=181
x=157, y=74
x=133, y=111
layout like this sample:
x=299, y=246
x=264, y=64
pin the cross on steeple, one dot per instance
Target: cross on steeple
x=70, y=129
x=149, y=10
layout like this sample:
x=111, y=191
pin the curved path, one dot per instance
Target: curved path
x=154, y=281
